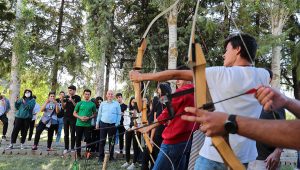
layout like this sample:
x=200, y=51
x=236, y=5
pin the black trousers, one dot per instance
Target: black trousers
x=130, y=136
x=20, y=125
x=31, y=127
x=80, y=131
x=121, y=130
x=40, y=128
x=4, y=120
x=69, y=126
x=110, y=130
x=95, y=137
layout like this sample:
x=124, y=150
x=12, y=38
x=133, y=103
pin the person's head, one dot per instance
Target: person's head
x=164, y=88
x=180, y=83
x=51, y=96
x=109, y=95
x=72, y=90
x=131, y=103
x=271, y=73
x=61, y=94
x=119, y=97
x=87, y=94
x=27, y=94
x=235, y=49
x=98, y=101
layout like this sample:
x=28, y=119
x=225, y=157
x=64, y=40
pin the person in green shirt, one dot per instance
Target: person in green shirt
x=84, y=111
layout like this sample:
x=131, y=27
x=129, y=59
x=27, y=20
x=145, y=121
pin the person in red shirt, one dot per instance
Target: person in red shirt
x=176, y=145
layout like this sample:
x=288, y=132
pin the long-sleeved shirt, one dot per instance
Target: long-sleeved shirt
x=24, y=109
x=109, y=112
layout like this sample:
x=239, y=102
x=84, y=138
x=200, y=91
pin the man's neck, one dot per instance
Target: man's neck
x=242, y=62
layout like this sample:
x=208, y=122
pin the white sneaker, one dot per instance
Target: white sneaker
x=65, y=151
x=125, y=165
x=21, y=146
x=10, y=146
x=131, y=167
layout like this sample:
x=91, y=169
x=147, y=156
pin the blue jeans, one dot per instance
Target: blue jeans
x=179, y=159
x=207, y=164
x=60, y=126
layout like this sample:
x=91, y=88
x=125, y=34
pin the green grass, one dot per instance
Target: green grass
x=13, y=162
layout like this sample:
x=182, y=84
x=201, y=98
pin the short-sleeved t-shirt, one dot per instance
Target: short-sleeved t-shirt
x=85, y=108
x=50, y=113
x=70, y=106
x=225, y=82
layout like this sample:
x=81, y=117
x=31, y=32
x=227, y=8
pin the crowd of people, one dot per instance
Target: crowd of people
x=172, y=123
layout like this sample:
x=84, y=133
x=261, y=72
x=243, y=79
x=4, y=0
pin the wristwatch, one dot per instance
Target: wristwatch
x=231, y=125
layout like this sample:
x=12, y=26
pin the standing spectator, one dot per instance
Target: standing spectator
x=121, y=128
x=48, y=121
x=36, y=110
x=109, y=116
x=268, y=156
x=129, y=122
x=60, y=116
x=95, y=133
x=84, y=111
x=4, y=109
x=23, y=117
x=69, y=119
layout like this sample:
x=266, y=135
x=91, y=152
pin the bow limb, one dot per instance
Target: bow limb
x=138, y=65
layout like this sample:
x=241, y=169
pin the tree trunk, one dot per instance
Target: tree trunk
x=100, y=69
x=278, y=18
x=173, y=50
x=108, y=66
x=15, y=75
x=14, y=91
x=54, y=84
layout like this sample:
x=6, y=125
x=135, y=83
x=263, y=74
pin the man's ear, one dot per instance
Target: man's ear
x=238, y=50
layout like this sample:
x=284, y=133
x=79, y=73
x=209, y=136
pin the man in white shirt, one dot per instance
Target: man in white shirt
x=236, y=76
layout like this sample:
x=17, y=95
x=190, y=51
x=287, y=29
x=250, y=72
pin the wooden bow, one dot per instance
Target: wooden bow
x=198, y=63
x=142, y=106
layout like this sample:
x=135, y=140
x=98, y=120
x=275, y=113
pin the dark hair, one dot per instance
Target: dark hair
x=131, y=107
x=62, y=92
x=165, y=88
x=27, y=90
x=51, y=92
x=72, y=87
x=99, y=98
x=34, y=96
x=87, y=90
x=250, y=42
x=270, y=72
x=119, y=94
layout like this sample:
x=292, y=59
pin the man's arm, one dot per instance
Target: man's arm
x=285, y=134
x=136, y=76
x=272, y=99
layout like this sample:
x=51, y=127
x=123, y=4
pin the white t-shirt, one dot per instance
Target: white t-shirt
x=224, y=82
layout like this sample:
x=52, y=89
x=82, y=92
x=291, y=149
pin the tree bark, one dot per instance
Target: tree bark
x=173, y=50
x=54, y=84
x=100, y=69
x=278, y=19
x=15, y=75
x=108, y=66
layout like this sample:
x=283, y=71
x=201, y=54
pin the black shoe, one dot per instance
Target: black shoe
x=121, y=152
x=111, y=159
